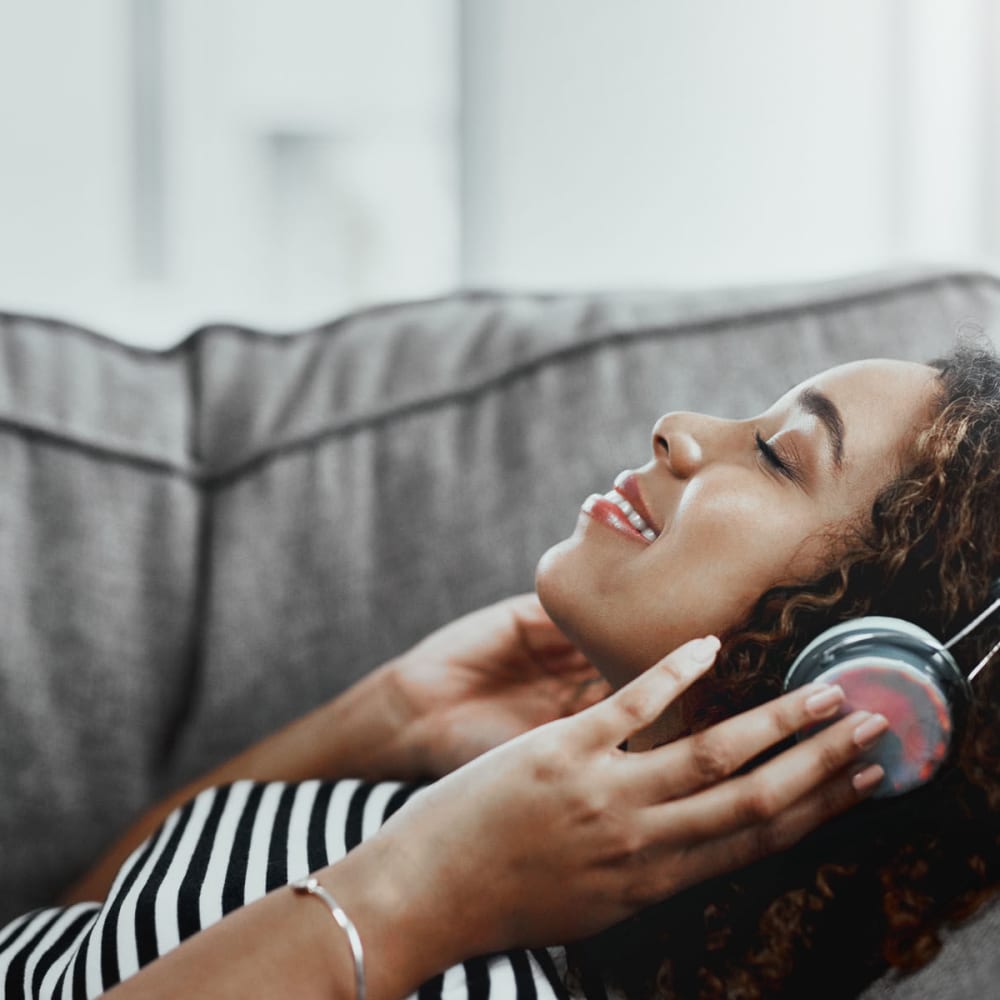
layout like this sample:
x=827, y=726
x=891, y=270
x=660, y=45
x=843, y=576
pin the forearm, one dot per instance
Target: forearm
x=288, y=944
x=362, y=733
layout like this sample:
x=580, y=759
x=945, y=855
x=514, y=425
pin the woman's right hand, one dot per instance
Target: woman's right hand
x=560, y=833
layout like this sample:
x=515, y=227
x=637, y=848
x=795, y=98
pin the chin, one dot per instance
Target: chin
x=595, y=619
x=584, y=616
x=552, y=586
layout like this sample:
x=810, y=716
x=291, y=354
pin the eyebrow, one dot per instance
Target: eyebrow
x=825, y=410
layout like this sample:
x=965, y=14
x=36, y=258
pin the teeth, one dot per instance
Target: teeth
x=630, y=512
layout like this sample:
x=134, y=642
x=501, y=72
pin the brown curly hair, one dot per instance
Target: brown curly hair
x=870, y=890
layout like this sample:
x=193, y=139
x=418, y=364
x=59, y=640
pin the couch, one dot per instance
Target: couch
x=198, y=544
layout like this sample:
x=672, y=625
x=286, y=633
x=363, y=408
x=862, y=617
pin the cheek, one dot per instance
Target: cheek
x=736, y=521
x=719, y=497
x=733, y=544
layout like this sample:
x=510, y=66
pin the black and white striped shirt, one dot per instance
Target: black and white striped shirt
x=227, y=847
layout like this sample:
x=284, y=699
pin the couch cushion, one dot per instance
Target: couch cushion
x=99, y=528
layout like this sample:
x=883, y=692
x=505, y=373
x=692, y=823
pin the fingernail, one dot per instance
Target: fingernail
x=703, y=651
x=867, y=778
x=825, y=702
x=870, y=730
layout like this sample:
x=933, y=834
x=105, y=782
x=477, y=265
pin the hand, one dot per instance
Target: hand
x=487, y=677
x=559, y=833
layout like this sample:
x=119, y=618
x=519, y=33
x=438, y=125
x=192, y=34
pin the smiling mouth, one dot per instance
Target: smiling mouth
x=616, y=512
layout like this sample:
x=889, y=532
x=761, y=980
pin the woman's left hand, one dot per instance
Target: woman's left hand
x=560, y=833
x=487, y=677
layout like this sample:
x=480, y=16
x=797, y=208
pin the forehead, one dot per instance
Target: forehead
x=873, y=385
x=905, y=375
x=882, y=404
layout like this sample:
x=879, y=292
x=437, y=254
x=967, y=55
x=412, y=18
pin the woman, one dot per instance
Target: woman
x=872, y=890
x=871, y=487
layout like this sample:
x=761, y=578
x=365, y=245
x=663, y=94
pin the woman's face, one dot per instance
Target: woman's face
x=737, y=507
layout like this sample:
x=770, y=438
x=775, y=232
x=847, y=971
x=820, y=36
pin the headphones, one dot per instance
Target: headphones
x=894, y=667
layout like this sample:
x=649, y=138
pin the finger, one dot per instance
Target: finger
x=644, y=699
x=761, y=795
x=587, y=692
x=560, y=662
x=537, y=632
x=705, y=758
x=716, y=857
x=526, y=604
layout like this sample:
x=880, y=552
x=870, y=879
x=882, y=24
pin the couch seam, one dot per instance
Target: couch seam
x=201, y=591
x=106, y=452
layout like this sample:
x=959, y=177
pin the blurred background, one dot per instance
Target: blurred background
x=166, y=163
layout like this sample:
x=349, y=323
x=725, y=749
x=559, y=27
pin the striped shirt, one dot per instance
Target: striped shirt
x=224, y=848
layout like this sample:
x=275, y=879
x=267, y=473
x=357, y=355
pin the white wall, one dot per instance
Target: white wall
x=303, y=156
x=63, y=151
x=949, y=162
x=300, y=159
x=312, y=154
x=691, y=142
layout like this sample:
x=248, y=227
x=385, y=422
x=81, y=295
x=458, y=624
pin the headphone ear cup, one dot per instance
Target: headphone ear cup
x=895, y=668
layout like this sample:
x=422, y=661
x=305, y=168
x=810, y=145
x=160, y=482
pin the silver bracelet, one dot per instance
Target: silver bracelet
x=310, y=886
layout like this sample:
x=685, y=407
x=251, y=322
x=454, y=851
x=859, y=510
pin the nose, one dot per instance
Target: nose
x=679, y=442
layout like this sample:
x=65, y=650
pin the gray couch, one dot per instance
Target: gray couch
x=197, y=545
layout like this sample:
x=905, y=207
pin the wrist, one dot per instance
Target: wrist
x=407, y=938
x=371, y=727
x=405, y=750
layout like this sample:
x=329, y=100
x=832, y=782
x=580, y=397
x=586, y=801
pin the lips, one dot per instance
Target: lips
x=617, y=510
x=609, y=513
x=627, y=484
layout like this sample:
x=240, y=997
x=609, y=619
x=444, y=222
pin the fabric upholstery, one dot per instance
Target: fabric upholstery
x=199, y=544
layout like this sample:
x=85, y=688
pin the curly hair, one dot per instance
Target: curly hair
x=872, y=889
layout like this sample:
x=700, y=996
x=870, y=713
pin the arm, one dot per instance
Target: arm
x=470, y=686
x=289, y=945
x=551, y=837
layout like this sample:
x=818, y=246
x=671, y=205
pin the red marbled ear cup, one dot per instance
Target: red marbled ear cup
x=893, y=667
x=920, y=725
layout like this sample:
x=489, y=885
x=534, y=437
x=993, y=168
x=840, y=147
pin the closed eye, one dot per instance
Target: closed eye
x=774, y=459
